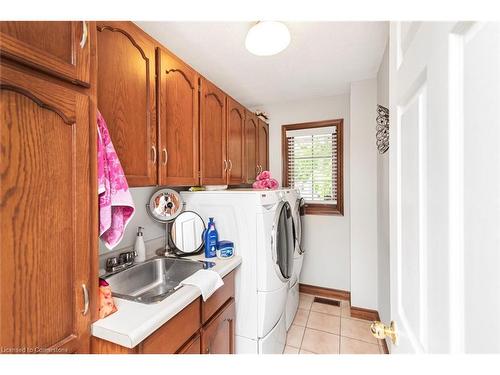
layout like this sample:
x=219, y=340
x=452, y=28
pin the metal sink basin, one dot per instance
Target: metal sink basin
x=154, y=279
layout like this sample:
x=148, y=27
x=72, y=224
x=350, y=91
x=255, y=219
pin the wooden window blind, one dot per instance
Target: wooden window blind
x=312, y=154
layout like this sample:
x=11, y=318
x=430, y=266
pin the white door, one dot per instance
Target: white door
x=445, y=186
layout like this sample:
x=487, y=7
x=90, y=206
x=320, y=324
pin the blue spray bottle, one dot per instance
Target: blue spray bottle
x=211, y=239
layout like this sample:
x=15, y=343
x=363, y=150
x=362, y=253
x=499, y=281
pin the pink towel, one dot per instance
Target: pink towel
x=116, y=207
x=264, y=181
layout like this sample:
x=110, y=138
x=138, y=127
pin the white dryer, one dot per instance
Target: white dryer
x=260, y=224
x=292, y=304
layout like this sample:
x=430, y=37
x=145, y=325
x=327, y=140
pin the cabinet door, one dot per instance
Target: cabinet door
x=251, y=149
x=173, y=335
x=58, y=48
x=45, y=225
x=126, y=97
x=178, y=121
x=263, y=158
x=212, y=135
x=217, y=336
x=235, y=142
x=192, y=347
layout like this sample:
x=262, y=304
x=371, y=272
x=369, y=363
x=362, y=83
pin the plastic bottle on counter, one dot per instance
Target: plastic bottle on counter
x=140, y=247
x=211, y=239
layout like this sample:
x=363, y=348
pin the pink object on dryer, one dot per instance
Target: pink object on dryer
x=264, y=181
x=264, y=175
x=273, y=184
x=116, y=207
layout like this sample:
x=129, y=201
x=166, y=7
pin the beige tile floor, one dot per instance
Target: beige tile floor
x=325, y=329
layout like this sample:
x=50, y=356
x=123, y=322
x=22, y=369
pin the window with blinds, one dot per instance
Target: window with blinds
x=312, y=164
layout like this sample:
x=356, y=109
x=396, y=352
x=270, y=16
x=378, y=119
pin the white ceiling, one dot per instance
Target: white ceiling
x=321, y=60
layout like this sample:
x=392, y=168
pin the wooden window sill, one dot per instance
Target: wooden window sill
x=323, y=209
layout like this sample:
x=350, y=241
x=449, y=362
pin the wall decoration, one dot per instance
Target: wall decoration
x=263, y=115
x=382, y=129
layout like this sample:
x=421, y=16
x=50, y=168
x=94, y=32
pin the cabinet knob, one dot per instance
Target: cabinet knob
x=225, y=165
x=230, y=165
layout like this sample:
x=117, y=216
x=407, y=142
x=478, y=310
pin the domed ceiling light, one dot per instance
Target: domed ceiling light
x=267, y=38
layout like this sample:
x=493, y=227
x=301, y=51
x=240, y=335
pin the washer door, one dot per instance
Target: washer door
x=283, y=241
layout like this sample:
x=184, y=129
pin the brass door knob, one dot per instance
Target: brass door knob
x=381, y=331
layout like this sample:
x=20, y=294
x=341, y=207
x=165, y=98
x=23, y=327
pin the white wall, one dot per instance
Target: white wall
x=363, y=159
x=384, y=302
x=152, y=229
x=326, y=238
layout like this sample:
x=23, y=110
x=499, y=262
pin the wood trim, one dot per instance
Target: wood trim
x=94, y=204
x=67, y=120
x=323, y=209
x=113, y=29
x=365, y=314
x=318, y=208
x=385, y=347
x=325, y=292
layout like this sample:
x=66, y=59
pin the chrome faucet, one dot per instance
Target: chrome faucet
x=124, y=260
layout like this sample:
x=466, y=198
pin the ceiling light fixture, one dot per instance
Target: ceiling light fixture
x=267, y=38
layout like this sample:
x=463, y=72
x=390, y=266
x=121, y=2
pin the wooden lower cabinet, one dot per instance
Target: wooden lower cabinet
x=217, y=336
x=173, y=334
x=192, y=347
x=200, y=328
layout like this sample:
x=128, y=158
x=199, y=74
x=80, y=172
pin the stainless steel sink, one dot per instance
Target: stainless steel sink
x=154, y=279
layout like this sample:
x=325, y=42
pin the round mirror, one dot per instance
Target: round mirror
x=186, y=232
x=165, y=205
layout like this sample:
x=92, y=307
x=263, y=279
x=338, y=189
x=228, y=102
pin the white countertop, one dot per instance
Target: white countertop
x=134, y=321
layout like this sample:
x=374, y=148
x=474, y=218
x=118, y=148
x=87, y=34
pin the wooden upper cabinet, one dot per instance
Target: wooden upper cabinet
x=217, y=337
x=58, y=48
x=235, y=142
x=251, y=146
x=212, y=134
x=178, y=123
x=126, y=97
x=45, y=216
x=263, y=158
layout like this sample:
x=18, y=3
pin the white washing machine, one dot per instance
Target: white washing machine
x=260, y=224
x=292, y=304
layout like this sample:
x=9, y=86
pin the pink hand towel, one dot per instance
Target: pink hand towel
x=264, y=181
x=264, y=175
x=116, y=207
x=259, y=184
x=273, y=184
